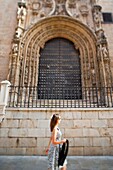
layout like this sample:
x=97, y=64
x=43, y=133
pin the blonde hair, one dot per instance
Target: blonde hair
x=53, y=121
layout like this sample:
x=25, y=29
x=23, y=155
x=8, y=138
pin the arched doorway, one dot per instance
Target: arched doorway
x=59, y=71
x=27, y=63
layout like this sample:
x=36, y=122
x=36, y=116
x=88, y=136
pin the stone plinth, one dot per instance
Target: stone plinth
x=26, y=131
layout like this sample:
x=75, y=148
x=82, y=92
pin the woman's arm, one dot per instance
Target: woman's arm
x=53, y=140
x=48, y=144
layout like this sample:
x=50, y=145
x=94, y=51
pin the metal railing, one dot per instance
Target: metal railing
x=85, y=97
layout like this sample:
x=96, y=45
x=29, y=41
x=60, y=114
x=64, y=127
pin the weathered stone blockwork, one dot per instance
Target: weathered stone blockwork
x=26, y=132
x=7, y=28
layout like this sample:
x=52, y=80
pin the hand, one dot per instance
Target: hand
x=64, y=140
x=47, y=150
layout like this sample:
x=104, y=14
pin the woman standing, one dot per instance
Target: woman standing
x=53, y=146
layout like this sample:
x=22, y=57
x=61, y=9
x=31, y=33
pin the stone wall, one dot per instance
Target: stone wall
x=26, y=131
x=8, y=22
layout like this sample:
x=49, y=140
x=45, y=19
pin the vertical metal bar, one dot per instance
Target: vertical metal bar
x=18, y=95
x=111, y=99
x=14, y=96
x=82, y=98
x=36, y=96
x=28, y=96
x=75, y=98
x=10, y=98
x=25, y=102
x=86, y=90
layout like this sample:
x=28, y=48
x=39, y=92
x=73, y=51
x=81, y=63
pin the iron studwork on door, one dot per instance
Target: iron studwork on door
x=59, y=71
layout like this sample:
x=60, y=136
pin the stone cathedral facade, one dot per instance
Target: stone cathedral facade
x=58, y=48
x=78, y=21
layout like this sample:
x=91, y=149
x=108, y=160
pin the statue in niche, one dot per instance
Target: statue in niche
x=99, y=53
x=105, y=53
x=97, y=18
x=21, y=14
x=93, y=76
x=18, y=32
x=101, y=38
x=101, y=35
x=108, y=75
x=15, y=49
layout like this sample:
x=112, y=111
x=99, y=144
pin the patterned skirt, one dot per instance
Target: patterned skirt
x=53, y=158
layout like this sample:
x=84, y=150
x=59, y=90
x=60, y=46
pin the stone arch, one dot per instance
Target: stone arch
x=57, y=26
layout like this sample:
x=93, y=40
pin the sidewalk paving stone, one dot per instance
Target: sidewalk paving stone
x=40, y=163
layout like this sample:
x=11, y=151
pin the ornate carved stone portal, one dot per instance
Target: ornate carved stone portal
x=76, y=21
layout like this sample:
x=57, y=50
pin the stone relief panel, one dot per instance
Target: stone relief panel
x=80, y=10
x=40, y=9
x=77, y=9
x=60, y=7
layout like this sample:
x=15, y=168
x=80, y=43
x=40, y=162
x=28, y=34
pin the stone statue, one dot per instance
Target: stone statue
x=15, y=49
x=105, y=53
x=21, y=14
x=97, y=19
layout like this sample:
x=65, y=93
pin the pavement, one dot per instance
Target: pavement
x=40, y=163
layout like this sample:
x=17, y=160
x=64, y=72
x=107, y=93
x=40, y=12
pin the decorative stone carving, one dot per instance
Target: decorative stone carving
x=77, y=9
x=84, y=9
x=71, y=8
x=71, y=3
x=60, y=8
x=36, y=6
x=48, y=3
x=21, y=13
x=21, y=17
x=102, y=49
x=104, y=62
x=93, y=76
x=108, y=74
x=15, y=49
x=105, y=52
x=97, y=15
x=101, y=38
x=41, y=9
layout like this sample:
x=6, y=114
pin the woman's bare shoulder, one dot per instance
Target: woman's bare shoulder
x=54, y=130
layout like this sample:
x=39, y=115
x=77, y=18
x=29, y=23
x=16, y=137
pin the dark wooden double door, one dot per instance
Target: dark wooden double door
x=59, y=71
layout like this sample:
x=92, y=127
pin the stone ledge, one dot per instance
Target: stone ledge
x=58, y=109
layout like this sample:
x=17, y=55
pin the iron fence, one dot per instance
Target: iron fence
x=85, y=97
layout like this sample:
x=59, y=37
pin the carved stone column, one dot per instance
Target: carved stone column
x=14, y=66
x=102, y=48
